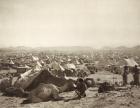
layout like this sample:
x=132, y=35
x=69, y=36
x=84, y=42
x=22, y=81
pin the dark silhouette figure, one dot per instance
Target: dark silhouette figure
x=136, y=76
x=81, y=87
x=125, y=75
x=105, y=87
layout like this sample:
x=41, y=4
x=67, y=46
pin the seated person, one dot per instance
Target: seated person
x=81, y=87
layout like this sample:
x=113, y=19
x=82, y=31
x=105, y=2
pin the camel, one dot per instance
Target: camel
x=46, y=87
x=46, y=77
x=45, y=92
x=89, y=82
x=5, y=83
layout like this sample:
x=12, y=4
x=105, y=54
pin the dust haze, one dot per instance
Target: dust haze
x=94, y=23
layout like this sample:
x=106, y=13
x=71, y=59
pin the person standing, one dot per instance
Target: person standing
x=136, y=76
x=125, y=73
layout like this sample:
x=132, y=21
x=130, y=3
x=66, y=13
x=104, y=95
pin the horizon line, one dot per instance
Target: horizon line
x=65, y=46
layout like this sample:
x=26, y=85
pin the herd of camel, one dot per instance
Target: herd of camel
x=46, y=87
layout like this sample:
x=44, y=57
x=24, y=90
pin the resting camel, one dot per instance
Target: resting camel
x=46, y=77
x=46, y=87
x=45, y=92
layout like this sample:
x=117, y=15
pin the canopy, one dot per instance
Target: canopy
x=131, y=62
x=38, y=63
x=77, y=62
x=28, y=67
x=37, y=68
x=83, y=67
x=26, y=78
x=42, y=62
x=35, y=58
x=11, y=62
x=55, y=65
x=70, y=66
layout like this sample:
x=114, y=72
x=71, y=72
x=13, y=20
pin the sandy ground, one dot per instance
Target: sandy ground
x=123, y=99
x=114, y=99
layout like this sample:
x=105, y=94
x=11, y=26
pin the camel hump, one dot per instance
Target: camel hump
x=54, y=91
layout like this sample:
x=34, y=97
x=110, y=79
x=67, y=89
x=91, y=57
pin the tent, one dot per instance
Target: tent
x=112, y=62
x=37, y=67
x=61, y=68
x=42, y=62
x=26, y=78
x=35, y=58
x=102, y=63
x=131, y=62
x=77, y=62
x=27, y=67
x=126, y=62
x=56, y=66
x=69, y=66
x=11, y=62
x=38, y=63
x=47, y=57
x=84, y=68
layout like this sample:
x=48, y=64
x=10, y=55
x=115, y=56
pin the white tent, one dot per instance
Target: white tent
x=26, y=78
x=62, y=68
x=83, y=67
x=38, y=63
x=134, y=62
x=42, y=61
x=131, y=62
x=28, y=67
x=47, y=57
x=69, y=59
x=55, y=65
x=77, y=62
x=37, y=68
x=69, y=66
x=11, y=62
x=35, y=58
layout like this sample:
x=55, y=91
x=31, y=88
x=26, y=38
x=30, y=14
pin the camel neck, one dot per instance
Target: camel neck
x=63, y=88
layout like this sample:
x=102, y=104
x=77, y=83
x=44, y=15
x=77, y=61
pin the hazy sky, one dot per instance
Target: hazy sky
x=94, y=23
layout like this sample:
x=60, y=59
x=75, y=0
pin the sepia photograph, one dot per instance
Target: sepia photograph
x=69, y=53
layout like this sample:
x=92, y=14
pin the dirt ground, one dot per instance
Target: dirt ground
x=123, y=99
x=114, y=99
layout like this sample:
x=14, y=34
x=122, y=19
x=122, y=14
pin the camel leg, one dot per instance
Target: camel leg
x=56, y=97
x=36, y=100
x=32, y=100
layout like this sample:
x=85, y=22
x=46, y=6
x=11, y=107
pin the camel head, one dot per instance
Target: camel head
x=89, y=82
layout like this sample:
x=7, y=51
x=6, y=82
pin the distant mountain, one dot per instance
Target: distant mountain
x=137, y=47
x=122, y=47
x=68, y=48
x=41, y=49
